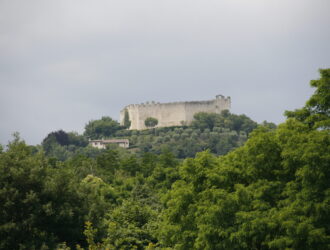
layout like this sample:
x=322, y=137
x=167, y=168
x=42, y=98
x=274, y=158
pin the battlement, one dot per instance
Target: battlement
x=222, y=97
x=153, y=103
x=172, y=113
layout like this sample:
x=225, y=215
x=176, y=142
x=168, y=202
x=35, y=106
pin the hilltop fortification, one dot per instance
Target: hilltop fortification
x=173, y=113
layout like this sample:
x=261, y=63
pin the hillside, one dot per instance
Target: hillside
x=218, y=133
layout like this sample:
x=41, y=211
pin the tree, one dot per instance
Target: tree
x=108, y=162
x=150, y=122
x=39, y=203
x=130, y=165
x=61, y=145
x=127, y=122
x=77, y=140
x=59, y=137
x=238, y=123
x=130, y=226
x=204, y=120
x=99, y=198
x=103, y=128
x=316, y=112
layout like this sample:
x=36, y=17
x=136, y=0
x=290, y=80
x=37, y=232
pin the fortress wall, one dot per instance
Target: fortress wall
x=172, y=114
x=169, y=114
x=213, y=106
x=191, y=108
x=133, y=113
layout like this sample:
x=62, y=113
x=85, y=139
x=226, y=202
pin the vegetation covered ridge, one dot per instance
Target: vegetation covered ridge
x=219, y=133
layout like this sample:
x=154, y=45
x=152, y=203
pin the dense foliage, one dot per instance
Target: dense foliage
x=62, y=145
x=39, y=204
x=45, y=202
x=271, y=193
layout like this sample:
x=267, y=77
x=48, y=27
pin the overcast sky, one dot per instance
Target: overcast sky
x=63, y=63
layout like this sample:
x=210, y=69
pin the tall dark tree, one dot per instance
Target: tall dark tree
x=59, y=137
x=127, y=122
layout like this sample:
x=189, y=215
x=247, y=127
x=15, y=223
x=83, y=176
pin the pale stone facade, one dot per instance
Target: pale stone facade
x=102, y=144
x=172, y=114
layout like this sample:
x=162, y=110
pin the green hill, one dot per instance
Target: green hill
x=218, y=133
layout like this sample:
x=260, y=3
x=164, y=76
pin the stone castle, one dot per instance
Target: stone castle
x=173, y=113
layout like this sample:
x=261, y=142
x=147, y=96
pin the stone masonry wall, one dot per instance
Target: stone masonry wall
x=172, y=114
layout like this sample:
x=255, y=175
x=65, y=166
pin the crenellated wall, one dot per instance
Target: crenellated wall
x=173, y=113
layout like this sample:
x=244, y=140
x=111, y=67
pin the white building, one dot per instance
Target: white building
x=101, y=144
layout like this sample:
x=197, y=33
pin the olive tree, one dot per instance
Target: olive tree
x=150, y=122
